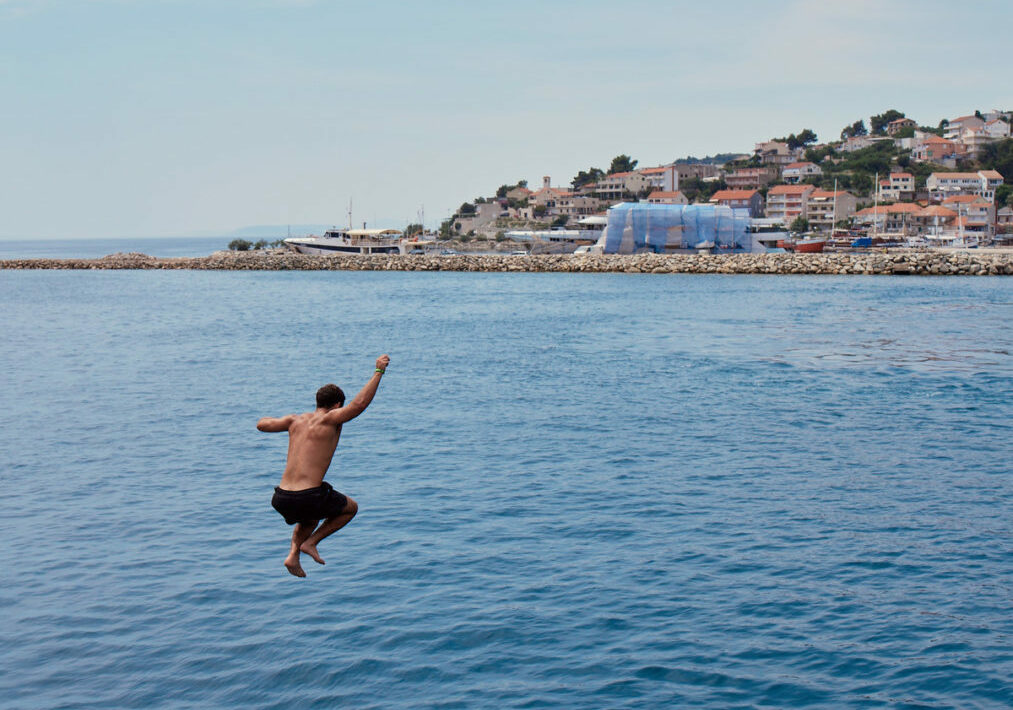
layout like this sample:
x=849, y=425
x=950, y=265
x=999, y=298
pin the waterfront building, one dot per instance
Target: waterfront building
x=822, y=209
x=787, y=202
x=978, y=213
x=896, y=220
x=1004, y=219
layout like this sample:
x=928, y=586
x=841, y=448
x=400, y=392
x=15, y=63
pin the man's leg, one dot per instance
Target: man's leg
x=299, y=535
x=328, y=527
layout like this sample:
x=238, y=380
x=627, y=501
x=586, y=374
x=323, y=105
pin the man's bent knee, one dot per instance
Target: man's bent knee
x=351, y=508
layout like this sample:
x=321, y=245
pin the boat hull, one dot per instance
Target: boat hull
x=810, y=246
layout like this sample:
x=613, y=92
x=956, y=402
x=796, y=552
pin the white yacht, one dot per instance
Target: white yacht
x=349, y=241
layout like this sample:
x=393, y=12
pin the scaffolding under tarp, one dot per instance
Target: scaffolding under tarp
x=644, y=227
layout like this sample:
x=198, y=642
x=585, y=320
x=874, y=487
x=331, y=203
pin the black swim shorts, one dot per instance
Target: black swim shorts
x=309, y=505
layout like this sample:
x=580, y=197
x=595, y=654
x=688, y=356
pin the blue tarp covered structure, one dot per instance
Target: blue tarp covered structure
x=640, y=226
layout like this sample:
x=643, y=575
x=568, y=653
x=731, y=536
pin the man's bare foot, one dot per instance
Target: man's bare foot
x=293, y=566
x=311, y=550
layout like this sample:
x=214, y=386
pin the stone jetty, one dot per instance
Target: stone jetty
x=921, y=263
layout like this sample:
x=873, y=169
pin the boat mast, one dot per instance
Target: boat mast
x=349, y=212
x=875, y=208
x=833, y=219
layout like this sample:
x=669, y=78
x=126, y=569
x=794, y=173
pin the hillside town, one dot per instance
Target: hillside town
x=894, y=182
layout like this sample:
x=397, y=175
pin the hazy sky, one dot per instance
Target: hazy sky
x=173, y=117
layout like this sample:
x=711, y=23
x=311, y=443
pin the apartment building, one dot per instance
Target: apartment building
x=983, y=182
x=664, y=177
x=620, y=186
x=751, y=178
x=741, y=199
x=670, y=197
x=957, y=126
x=824, y=206
x=787, y=202
x=899, y=186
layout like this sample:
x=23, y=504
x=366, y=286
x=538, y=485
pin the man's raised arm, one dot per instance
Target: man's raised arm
x=275, y=423
x=358, y=405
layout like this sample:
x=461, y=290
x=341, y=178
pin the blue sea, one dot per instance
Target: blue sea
x=575, y=491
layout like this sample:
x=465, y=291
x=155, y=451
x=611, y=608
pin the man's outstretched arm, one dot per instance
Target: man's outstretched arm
x=358, y=405
x=275, y=423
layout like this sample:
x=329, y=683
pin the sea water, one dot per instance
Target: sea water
x=575, y=491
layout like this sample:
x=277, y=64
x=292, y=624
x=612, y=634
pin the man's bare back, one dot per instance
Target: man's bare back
x=303, y=498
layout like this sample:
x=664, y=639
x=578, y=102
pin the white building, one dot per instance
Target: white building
x=983, y=182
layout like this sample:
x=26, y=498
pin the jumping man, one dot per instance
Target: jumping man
x=303, y=498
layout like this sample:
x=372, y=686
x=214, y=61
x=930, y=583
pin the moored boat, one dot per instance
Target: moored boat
x=349, y=241
x=810, y=245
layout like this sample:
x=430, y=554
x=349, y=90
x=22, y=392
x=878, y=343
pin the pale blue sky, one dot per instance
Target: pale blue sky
x=173, y=117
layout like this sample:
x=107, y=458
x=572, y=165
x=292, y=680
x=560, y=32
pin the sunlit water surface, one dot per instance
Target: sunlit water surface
x=576, y=491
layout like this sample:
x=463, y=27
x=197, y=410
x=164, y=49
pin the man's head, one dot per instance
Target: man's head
x=329, y=397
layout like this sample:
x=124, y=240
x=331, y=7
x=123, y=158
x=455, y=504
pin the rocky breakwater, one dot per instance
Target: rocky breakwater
x=922, y=263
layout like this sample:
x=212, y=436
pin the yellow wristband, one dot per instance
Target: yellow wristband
x=379, y=370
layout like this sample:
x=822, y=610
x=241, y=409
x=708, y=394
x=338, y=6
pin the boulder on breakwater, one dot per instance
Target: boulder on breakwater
x=921, y=263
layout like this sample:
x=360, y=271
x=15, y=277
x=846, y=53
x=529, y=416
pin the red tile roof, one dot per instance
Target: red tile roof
x=829, y=193
x=937, y=211
x=733, y=195
x=659, y=194
x=789, y=189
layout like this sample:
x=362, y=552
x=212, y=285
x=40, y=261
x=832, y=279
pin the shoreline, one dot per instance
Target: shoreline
x=935, y=263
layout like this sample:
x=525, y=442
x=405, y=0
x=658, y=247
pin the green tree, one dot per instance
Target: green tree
x=586, y=177
x=855, y=129
x=998, y=155
x=240, y=245
x=1004, y=195
x=879, y=122
x=413, y=229
x=799, y=225
x=466, y=209
x=622, y=164
x=807, y=136
x=560, y=221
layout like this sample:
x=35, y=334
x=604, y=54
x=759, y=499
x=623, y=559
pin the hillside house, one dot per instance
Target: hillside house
x=794, y=173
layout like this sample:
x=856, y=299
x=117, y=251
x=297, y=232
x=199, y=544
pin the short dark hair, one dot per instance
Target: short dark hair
x=329, y=395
